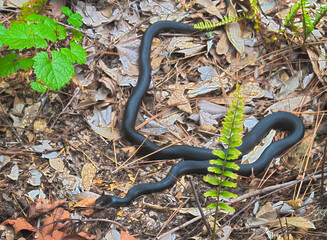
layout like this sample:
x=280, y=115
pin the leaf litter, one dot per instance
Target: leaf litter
x=42, y=135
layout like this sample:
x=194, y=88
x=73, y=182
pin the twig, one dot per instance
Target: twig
x=199, y=206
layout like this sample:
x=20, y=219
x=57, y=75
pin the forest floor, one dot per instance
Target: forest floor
x=61, y=150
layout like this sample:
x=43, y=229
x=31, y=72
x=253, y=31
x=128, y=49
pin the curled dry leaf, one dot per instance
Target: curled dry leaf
x=43, y=206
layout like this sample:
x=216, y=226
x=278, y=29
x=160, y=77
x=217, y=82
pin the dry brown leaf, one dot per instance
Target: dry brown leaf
x=125, y=236
x=87, y=202
x=110, y=83
x=209, y=7
x=294, y=203
x=207, y=128
x=43, y=206
x=178, y=98
x=300, y=222
x=19, y=224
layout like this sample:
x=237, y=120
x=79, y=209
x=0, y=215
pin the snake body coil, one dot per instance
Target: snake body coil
x=196, y=160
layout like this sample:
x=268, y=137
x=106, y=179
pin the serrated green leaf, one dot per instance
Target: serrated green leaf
x=228, y=194
x=25, y=63
x=76, y=53
x=77, y=35
x=226, y=207
x=218, y=162
x=36, y=86
x=8, y=65
x=211, y=193
x=219, y=153
x=3, y=31
x=44, y=31
x=211, y=206
x=228, y=184
x=21, y=36
x=74, y=20
x=67, y=11
x=61, y=32
x=214, y=170
x=232, y=165
x=79, y=52
x=230, y=174
x=211, y=180
x=33, y=17
x=54, y=73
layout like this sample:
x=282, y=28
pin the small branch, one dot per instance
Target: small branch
x=199, y=207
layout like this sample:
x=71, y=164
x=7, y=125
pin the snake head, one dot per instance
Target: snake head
x=104, y=201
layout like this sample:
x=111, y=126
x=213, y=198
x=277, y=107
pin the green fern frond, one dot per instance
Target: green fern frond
x=290, y=16
x=230, y=135
x=210, y=25
x=321, y=12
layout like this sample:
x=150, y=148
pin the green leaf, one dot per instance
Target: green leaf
x=225, y=132
x=235, y=144
x=236, y=137
x=228, y=184
x=237, y=130
x=218, y=162
x=234, y=151
x=77, y=35
x=67, y=11
x=211, y=206
x=76, y=53
x=214, y=170
x=219, y=153
x=227, y=125
x=211, y=193
x=232, y=165
x=228, y=194
x=37, y=86
x=55, y=73
x=25, y=63
x=44, y=31
x=3, y=31
x=230, y=174
x=211, y=180
x=33, y=18
x=61, y=32
x=8, y=65
x=223, y=139
x=75, y=20
x=226, y=207
x=79, y=52
x=21, y=36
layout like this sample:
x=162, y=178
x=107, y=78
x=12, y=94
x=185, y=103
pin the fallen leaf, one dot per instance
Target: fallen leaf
x=43, y=206
x=178, y=99
x=126, y=236
x=19, y=224
x=87, y=202
x=299, y=222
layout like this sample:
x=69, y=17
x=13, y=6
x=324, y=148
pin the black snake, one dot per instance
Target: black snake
x=196, y=160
